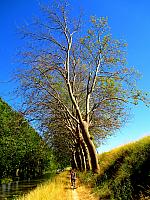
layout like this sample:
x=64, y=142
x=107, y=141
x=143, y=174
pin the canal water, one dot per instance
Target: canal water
x=11, y=190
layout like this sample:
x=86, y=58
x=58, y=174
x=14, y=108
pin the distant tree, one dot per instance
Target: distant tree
x=83, y=74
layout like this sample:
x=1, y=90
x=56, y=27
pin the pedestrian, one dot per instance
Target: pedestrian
x=73, y=178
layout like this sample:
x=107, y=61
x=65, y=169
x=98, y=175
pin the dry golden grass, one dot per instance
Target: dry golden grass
x=57, y=189
x=84, y=193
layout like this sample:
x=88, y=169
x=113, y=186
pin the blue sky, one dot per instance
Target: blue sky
x=129, y=19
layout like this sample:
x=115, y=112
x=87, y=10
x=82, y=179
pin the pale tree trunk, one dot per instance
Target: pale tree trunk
x=83, y=124
x=78, y=160
x=74, y=162
x=84, y=150
x=83, y=161
x=91, y=147
x=86, y=155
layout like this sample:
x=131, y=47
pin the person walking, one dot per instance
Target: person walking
x=73, y=178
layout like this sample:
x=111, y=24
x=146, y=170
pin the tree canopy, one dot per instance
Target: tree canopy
x=79, y=79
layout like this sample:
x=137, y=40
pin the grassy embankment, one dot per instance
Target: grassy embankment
x=124, y=174
x=57, y=188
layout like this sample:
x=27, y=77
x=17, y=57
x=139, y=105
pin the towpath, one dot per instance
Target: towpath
x=80, y=193
x=59, y=188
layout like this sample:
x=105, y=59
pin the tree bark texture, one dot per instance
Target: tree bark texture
x=91, y=147
x=74, y=162
x=87, y=157
x=83, y=163
x=78, y=160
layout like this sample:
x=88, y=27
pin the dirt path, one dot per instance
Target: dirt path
x=75, y=195
x=81, y=192
x=59, y=188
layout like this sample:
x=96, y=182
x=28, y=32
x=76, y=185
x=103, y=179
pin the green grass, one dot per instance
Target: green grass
x=124, y=172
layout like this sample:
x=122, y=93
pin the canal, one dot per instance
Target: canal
x=11, y=190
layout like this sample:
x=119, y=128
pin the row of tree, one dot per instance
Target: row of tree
x=23, y=152
x=75, y=83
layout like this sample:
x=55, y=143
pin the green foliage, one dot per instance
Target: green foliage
x=76, y=77
x=6, y=180
x=22, y=149
x=124, y=172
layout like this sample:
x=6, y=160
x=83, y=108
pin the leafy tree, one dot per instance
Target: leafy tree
x=83, y=74
x=21, y=147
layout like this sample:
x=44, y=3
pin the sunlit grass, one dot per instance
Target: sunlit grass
x=57, y=189
x=132, y=150
x=124, y=172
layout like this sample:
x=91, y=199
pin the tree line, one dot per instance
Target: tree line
x=75, y=82
x=23, y=153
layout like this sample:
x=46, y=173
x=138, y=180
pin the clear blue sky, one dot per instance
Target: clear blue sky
x=129, y=19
